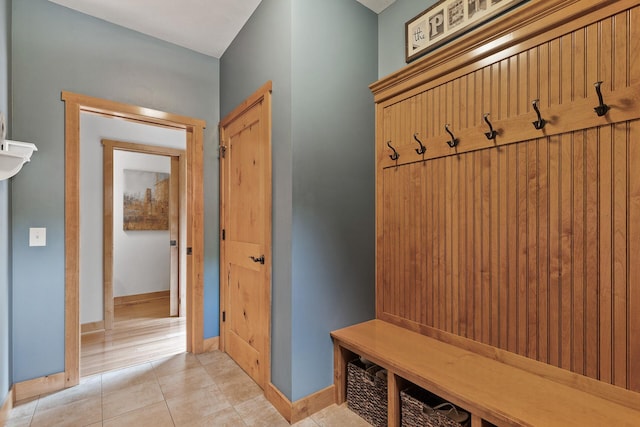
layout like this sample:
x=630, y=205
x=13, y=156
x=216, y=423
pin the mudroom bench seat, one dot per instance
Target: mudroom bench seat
x=492, y=391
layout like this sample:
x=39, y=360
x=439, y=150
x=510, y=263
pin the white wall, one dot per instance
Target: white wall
x=93, y=129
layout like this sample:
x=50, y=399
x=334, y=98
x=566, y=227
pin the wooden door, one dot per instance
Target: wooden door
x=245, y=168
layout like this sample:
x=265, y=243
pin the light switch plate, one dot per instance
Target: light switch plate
x=37, y=236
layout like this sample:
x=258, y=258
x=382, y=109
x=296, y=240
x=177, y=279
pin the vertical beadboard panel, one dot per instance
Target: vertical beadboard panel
x=634, y=209
x=528, y=247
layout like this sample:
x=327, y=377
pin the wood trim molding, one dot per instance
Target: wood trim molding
x=107, y=233
x=37, y=386
x=128, y=111
x=313, y=403
x=131, y=299
x=279, y=401
x=211, y=344
x=6, y=407
x=522, y=27
x=74, y=105
x=302, y=408
x=256, y=97
x=92, y=326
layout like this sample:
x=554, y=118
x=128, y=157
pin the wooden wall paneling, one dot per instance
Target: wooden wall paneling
x=633, y=295
x=502, y=247
x=634, y=211
x=605, y=181
x=577, y=258
x=413, y=232
x=527, y=246
x=454, y=217
x=523, y=97
x=555, y=294
x=619, y=208
x=541, y=212
x=544, y=181
x=424, y=244
x=495, y=225
x=521, y=248
x=533, y=249
x=468, y=284
x=397, y=251
x=484, y=292
x=476, y=221
x=566, y=190
x=431, y=244
x=566, y=276
x=620, y=309
x=393, y=218
x=592, y=276
x=532, y=281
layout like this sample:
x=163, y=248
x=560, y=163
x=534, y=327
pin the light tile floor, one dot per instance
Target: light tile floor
x=182, y=390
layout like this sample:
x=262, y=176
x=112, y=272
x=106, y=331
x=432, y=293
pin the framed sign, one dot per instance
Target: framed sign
x=448, y=19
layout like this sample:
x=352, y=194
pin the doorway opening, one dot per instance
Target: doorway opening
x=75, y=104
x=144, y=241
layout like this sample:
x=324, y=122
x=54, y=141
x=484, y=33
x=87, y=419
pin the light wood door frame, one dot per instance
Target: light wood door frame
x=263, y=94
x=176, y=217
x=74, y=105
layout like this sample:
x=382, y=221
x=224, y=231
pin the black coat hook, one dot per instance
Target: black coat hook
x=422, y=148
x=601, y=109
x=454, y=141
x=538, y=124
x=492, y=133
x=395, y=154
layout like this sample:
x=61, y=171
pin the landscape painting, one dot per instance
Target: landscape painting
x=146, y=200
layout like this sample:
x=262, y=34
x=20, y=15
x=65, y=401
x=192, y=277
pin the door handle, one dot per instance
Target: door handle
x=260, y=259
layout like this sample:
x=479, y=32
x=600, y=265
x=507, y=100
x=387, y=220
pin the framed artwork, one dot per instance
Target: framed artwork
x=145, y=200
x=448, y=19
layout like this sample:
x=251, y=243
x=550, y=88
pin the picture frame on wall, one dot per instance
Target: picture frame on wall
x=145, y=200
x=448, y=19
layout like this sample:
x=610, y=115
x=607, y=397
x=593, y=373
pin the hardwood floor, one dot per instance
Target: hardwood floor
x=142, y=332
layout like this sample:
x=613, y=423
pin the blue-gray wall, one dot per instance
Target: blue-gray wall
x=391, y=22
x=333, y=252
x=323, y=179
x=56, y=49
x=5, y=293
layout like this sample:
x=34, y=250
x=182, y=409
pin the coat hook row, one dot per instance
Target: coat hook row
x=422, y=148
x=395, y=154
x=539, y=124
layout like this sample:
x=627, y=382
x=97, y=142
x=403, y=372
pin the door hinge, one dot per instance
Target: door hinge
x=173, y=243
x=224, y=316
x=223, y=151
x=224, y=234
x=189, y=251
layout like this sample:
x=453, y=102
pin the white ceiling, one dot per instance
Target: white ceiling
x=206, y=26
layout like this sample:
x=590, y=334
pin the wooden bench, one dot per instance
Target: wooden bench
x=492, y=391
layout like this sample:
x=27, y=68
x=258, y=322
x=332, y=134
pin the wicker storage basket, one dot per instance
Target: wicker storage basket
x=367, y=392
x=418, y=410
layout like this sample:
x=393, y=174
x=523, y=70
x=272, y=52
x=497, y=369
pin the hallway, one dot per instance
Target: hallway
x=142, y=332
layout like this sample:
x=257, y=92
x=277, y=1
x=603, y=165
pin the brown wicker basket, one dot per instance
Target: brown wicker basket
x=418, y=409
x=367, y=392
